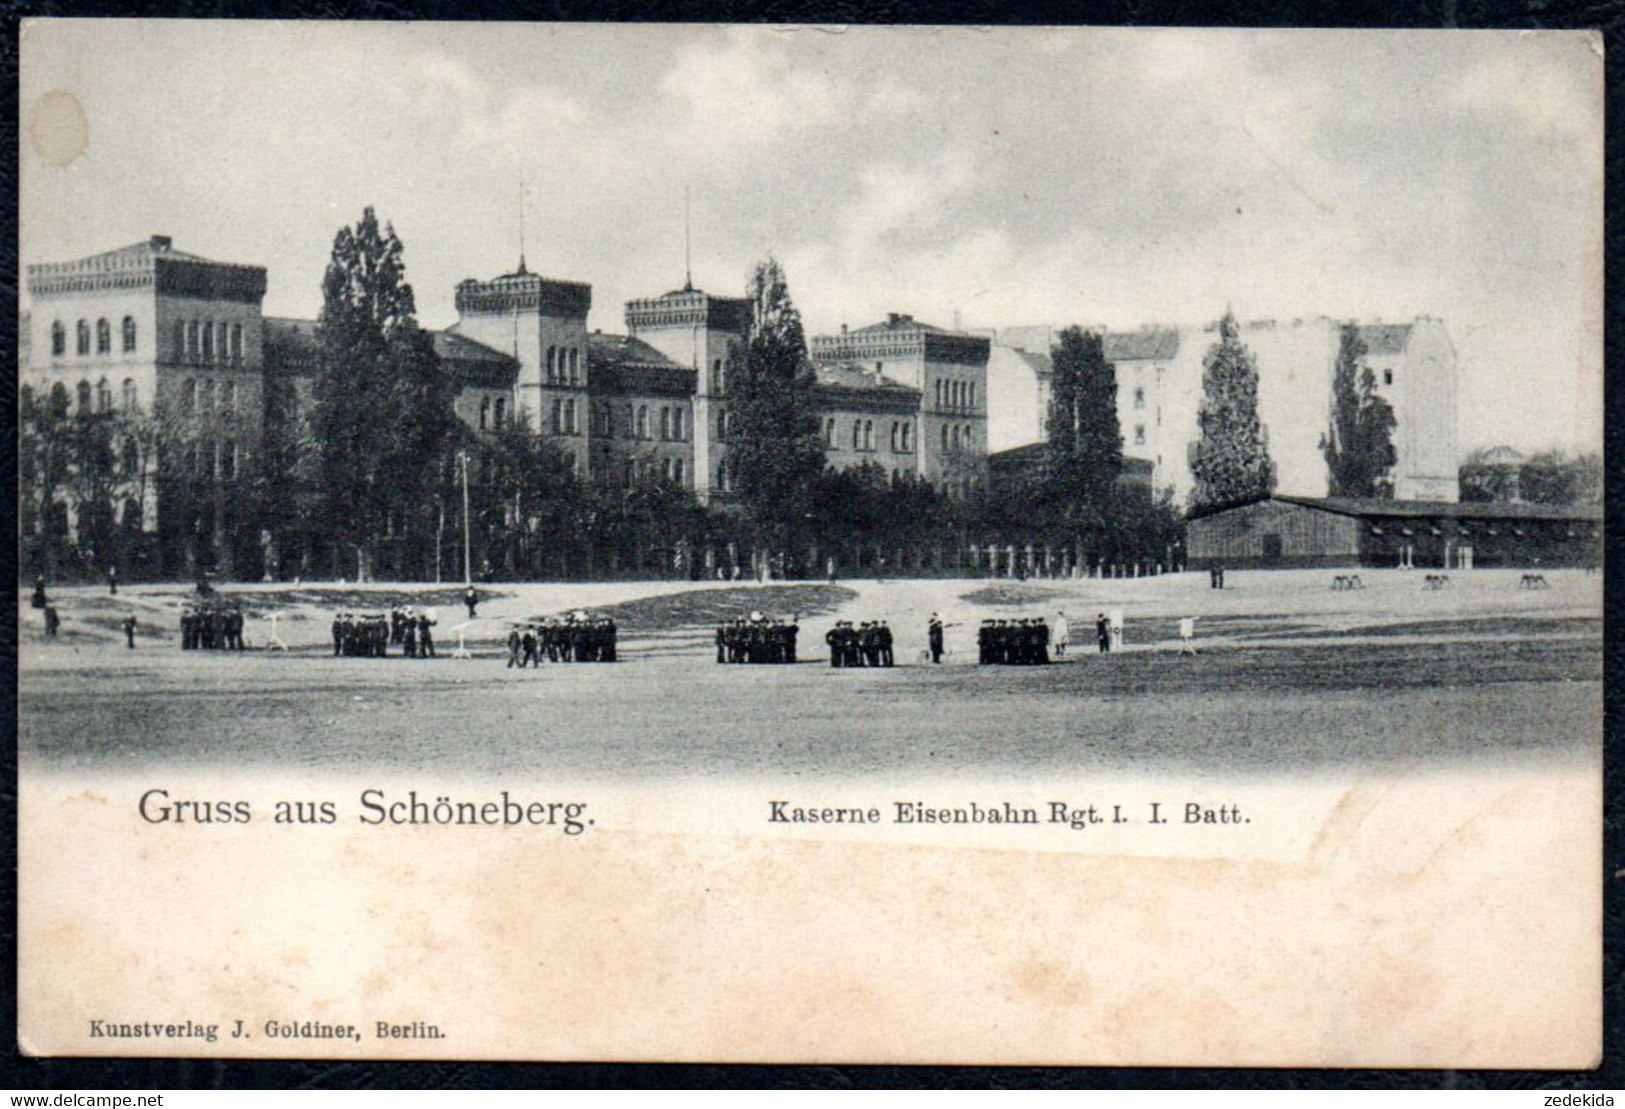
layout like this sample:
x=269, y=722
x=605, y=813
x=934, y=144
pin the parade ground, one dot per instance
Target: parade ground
x=1290, y=675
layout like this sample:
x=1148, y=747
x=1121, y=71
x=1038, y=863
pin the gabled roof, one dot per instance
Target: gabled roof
x=847, y=376
x=1150, y=344
x=624, y=350
x=898, y=321
x=1385, y=338
x=453, y=346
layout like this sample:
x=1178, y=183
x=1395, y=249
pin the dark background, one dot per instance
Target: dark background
x=160, y=1074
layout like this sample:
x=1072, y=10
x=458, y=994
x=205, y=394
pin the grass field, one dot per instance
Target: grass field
x=1291, y=676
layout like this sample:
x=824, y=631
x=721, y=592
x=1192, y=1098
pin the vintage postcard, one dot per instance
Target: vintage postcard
x=785, y=543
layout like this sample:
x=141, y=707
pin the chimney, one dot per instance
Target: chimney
x=893, y=319
x=160, y=243
x=843, y=329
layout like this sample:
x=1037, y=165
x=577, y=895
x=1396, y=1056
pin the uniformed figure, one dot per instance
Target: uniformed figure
x=39, y=601
x=513, y=647
x=884, y=640
x=409, y=636
x=933, y=637
x=129, y=631
x=112, y=580
x=836, y=651
x=52, y=621
x=425, y=637
x=1103, y=633
x=338, y=634
x=472, y=600
x=527, y=644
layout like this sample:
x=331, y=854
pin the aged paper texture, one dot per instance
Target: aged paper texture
x=810, y=544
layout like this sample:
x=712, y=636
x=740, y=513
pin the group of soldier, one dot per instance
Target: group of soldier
x=410, y=631
x=577, y=638
x=1020, y=642
x=868, y=644
x=210, y=625
x=360, y=635
x=758, y=639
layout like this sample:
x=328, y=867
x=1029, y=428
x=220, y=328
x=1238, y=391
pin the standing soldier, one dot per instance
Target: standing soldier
x=933, y=636
x=836, y=648
x=52, y=621
x=338, y=634
x=1103, y=633
x=409, y=636
x=883, y=635
x=112, y=580
x=129, y=631
x=513, y=646
x=425, y=637
x=528, y=643
x=39, y=593
x=472, y=600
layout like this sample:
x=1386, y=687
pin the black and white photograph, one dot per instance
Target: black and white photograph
x=810, y=544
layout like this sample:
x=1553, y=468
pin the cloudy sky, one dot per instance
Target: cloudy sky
x=996, y=177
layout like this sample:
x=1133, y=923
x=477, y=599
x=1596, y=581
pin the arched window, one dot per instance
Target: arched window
x=956, y=437
x=895, y=432
x=208, y=341
x=485, y=413
x=104, y=337
x=908, y=436
x=677, y=422
x=1139, y=397
x=677, y=471
x=973, y=395
x=575, y=364
x=722, y=476
x=552, y=356
x=129, y=335
x=857, y=435
x=1139, y=435
x=104, y=396
x=83, y=329
x=192, y=340
x=228, y=460
x=944, y=436
x=558, y=416
x=130, y=399
x=500, y=411
x=59, y=400
x=569, y=416
x=179, y=340
x=868, y=435
x=717, y=385
x=829, y=431
x=665, y=423
x=188, y=394
x=643, y=423
x=222, y=341
x=59, y=339
x=84, y=396
x=228, y=395
x=237, y=343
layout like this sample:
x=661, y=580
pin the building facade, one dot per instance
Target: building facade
x=1159, y=394
x=948, y=370
x=149, y=328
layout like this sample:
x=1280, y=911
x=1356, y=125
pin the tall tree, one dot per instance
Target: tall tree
x=1085, y=450
x=1359, y=445
x=774, y=449
x=383, y=414
x=1232, y=461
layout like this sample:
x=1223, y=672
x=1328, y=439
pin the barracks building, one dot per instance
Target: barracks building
x=149, y=324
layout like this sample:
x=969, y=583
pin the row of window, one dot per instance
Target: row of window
x=670, y=421
x=672, y=470
x=209, y=341
x=493, y=414
x=82, y=332
x=211, y=460
x=863, y=435
x=563, y=365
x=956, y=436
x=956, y=394
x=201, y=395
